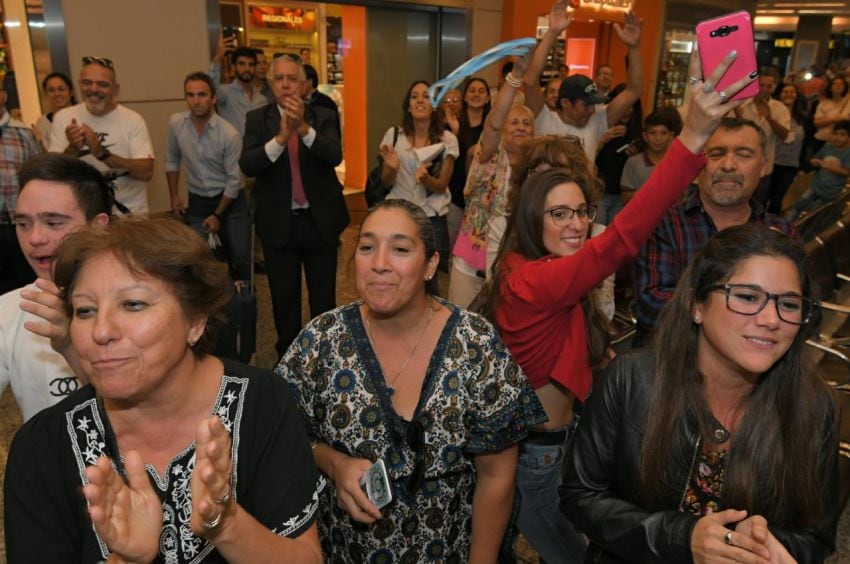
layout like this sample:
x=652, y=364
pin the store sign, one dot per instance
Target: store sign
x=783, y=43
x=292, y=19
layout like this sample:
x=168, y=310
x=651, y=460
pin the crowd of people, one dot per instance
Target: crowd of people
x=498, y=409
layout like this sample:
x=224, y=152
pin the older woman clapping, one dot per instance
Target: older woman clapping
x=181, y=456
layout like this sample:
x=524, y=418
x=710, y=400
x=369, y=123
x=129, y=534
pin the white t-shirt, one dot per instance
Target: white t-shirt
x=39, y=376
x=550, y=123
x=124, y=133
x=405, y=186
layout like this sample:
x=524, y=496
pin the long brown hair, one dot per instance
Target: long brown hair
x=524, y=236
x=775, y=460
x=435, y=127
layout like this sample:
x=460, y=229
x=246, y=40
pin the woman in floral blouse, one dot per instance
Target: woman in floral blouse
x=428, y=388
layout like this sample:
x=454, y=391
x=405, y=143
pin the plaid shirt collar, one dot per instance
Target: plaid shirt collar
x=694, y=205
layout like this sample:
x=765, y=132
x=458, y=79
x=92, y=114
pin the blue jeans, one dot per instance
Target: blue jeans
x=540, y=519
x=609, y=207
x=235, y=232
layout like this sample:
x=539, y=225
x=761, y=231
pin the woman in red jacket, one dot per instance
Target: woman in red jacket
x=542, y=301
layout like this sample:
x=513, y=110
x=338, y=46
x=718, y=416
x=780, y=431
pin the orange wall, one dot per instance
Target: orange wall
x=354, y=63
x=519, y=19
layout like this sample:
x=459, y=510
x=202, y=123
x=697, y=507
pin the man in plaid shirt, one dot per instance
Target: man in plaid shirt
x=17, y=145
x=736, y=160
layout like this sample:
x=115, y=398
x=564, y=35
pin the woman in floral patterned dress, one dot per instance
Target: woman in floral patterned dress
x=428, y=388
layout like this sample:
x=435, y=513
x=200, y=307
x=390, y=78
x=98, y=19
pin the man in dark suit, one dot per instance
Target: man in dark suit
x=314, y=98
x=292, y=150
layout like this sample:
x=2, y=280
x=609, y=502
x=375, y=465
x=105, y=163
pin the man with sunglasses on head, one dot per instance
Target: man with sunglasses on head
x=736, y=157
x=111, y=137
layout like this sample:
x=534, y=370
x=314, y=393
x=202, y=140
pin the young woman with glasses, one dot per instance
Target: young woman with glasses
x=426, y=387
x=542, y=301
x=721, y=444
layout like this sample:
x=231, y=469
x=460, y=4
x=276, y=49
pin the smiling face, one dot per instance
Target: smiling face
x=567, y=239
x=419, y=105
x=747, y=345
x=390, y=264
x=518, y=128
x=735, y=166
x=788, y=95
x=657, y=138
x=97, y=83
x=46, y=212
x=477, y=94
x=452, y=102
x=58, y=93
x=130, y=332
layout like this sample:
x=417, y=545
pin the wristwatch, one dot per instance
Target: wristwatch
x=104, y=154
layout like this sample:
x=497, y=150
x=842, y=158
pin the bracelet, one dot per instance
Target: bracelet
x=512, y=80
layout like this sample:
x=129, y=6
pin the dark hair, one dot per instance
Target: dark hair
x=424, y=228
x=246, y=52
x=258, y=51
x=200, y=77
x=506, y=68
x=773, y=465
x=160, y=248
x=464, y=116
x=800, y=108
x=843, y=125
x=829, y=86
x=435, y=128
x=94, y=193
x=312, y=75
x=64, y=78
x=524, y=232
x=736, y=123
x=664, y=119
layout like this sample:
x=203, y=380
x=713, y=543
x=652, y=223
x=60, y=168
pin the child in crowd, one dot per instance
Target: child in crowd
x=832, y=162
x=659, y=129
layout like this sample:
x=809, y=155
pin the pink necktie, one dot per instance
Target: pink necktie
x=295, y=168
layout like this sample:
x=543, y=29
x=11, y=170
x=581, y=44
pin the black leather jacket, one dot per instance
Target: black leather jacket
x=599, y=490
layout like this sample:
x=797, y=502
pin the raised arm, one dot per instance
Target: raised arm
x=492, y=134
x=559, y=20
x=630, y=33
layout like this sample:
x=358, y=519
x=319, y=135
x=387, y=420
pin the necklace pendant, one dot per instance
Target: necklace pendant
x=721, y=433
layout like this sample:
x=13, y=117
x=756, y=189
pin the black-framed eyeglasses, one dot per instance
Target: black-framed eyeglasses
x=562, y=215
x=750, y=299
x=104, y=62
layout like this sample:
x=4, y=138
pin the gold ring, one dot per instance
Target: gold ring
x=727, y=537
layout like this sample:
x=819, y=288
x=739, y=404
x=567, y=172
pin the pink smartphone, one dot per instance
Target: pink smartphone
x=716, y=38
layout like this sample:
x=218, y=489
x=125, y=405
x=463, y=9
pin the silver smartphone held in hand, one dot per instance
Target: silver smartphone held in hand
x=376, y=483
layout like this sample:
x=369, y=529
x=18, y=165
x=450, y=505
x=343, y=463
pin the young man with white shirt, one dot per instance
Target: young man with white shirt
x=58, y=195
x=580, y=111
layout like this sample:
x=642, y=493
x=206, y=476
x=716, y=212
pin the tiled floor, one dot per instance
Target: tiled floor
x=266, y=357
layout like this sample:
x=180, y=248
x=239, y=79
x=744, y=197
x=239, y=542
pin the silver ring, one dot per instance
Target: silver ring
x=722, y=95
x=727, y=537
x=693, y=80
x=707, y=87
x=223, y=499
x=210, y=525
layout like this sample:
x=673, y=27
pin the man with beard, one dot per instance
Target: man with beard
x=241, y=96
x=111, y=137
x=291, y=150
x=208, y=147
x=736, y=160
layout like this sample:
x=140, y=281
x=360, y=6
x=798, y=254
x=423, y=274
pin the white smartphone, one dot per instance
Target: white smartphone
x=376, y=484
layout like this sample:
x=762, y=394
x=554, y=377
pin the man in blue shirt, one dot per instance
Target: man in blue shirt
x=208, y=147
x=239, y=97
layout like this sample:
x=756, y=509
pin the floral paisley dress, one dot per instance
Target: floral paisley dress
x=474, y=400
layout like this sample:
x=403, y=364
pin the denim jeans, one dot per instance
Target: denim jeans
x=235, y=232
x=540, y=519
